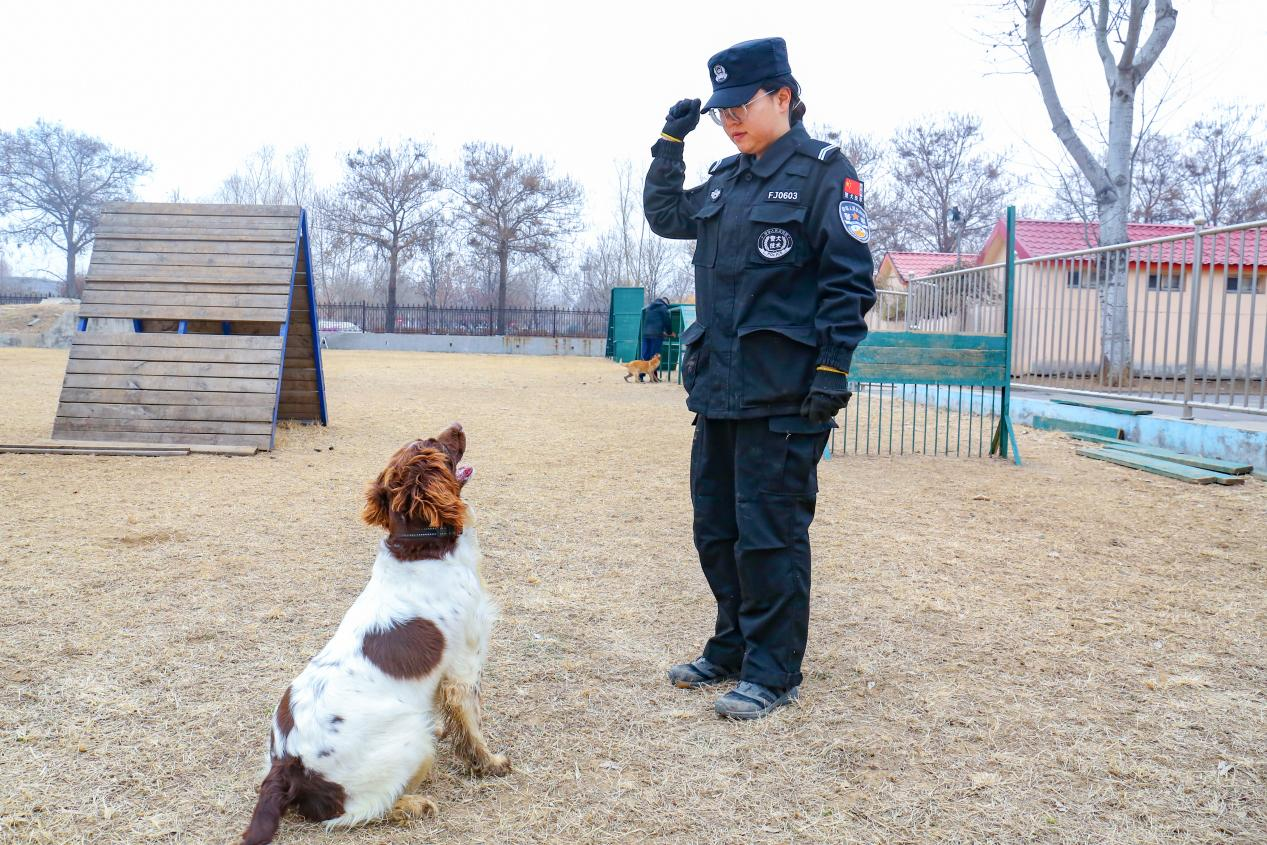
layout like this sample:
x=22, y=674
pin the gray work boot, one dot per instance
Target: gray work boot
x=699, y=673
x=752, y=701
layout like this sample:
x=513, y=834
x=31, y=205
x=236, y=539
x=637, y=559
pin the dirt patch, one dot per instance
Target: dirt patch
x=1063, y=652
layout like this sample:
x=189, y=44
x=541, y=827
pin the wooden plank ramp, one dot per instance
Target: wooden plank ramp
x=1070, y=426
x=1112, y=409
x=223, y=347
x=1215, y=464
x=1169, y=469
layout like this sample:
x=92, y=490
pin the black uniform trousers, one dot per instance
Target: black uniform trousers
x=753, y=485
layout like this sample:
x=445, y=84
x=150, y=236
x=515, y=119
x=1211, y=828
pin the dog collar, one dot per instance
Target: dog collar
x=426, y=533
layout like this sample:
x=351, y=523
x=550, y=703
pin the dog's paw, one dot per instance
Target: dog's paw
x=495, y=766
x=409, y=807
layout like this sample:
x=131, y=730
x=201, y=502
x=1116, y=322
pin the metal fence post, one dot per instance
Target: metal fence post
x=1192, y=317
x=365, y=310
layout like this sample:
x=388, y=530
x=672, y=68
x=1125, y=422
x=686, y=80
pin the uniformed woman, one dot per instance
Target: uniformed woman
x=782, y=283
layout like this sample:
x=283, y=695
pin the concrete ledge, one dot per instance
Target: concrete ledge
x=591, y=347
x=56, y=336
x=1207, y=438
x=1195, y=437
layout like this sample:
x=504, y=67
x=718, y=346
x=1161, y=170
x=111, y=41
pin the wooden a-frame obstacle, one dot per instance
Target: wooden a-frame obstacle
x=198, y=328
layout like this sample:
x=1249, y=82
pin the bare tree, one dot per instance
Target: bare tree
x=54, y=182
x=1225, y=166
x=263, y=180
x=940, y=166
x=512, y=205
x=439, y=257
x=1110, y=178
x=387, y=202
x=1070, y=196
x=1157, y=186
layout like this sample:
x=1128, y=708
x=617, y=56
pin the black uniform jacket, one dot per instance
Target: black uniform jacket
x=780, y=284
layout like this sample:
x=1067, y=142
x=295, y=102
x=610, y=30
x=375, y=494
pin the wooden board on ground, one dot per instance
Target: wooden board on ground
x=198, y=448
x=1199, y=461
x=1055, y=424
x=131, y=452
x=172, y=268
x=1112, y=409
x=1169, y=469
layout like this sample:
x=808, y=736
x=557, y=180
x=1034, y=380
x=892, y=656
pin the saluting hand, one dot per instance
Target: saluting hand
x=681, y=119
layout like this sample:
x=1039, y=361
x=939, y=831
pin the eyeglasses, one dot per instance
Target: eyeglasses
x=736, y=114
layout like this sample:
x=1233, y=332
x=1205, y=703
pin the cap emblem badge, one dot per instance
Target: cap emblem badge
x=719, y=73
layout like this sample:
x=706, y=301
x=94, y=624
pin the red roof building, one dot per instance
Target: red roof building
x=897, y=269
x=1038, y=238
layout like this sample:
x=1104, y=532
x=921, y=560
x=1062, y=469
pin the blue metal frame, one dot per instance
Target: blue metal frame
x=225, y=327
x=83, y=324
x=312, y=315
x=182, y=327
x=136, y=326
x=302, y=242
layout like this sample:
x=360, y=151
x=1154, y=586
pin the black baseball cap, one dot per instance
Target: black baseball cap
x=737, y=72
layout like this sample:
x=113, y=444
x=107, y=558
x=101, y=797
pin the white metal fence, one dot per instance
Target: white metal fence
x=1180, y=319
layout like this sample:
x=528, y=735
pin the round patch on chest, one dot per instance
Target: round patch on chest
x=774, y=243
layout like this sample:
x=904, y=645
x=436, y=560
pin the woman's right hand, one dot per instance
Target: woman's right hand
x=682, y=118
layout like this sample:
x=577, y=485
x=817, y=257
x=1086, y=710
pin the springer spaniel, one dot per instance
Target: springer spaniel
x=354, y=734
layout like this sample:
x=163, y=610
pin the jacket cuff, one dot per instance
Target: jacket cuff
x=667, y=149
x=837, y=357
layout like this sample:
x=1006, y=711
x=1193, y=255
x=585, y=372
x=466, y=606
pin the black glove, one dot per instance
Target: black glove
x=828, y=393
x=681, y=119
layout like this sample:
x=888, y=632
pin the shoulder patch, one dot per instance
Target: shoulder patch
x=821, y=150
x=723, y=163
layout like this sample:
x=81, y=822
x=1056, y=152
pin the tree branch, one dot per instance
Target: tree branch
x=1061, y=124
x=1163, y=27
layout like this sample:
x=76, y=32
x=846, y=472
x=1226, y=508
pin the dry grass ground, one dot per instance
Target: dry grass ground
x=1067, y=652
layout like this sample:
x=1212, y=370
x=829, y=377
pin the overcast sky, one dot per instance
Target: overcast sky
x=198, y=87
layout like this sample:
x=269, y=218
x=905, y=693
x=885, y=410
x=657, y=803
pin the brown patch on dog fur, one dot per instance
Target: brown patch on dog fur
x=288, y=785
x=285, y=719
x=408, y=650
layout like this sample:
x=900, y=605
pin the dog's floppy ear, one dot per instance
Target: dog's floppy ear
x=376, y=503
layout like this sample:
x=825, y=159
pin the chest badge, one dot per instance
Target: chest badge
x=715, y=194
x=774, y=243
x=854, y=219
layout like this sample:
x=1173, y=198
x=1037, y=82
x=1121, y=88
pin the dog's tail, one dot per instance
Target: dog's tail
x=277, y=793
